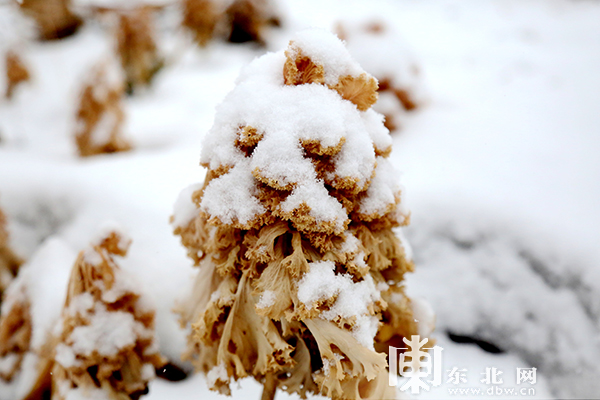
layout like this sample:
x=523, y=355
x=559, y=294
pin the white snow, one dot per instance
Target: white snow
x=326, y=50
x=351, y=299
x=217, y=373
x=267, y=299
x=185, y=210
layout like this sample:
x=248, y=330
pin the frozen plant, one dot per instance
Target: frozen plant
x=380, y=49
x=107, y=347
x=54, y=18
x=301, y=271
x=136, y=45
x=30, y=309
x=238, y=21
x=9, y=261
x=100, y=115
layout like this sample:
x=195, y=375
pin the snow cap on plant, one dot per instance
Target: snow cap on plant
x=107, y=347
x=300, y=281
x=100, y=116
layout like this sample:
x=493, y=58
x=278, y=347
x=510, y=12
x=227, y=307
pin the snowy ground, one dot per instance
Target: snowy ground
x=500, y=167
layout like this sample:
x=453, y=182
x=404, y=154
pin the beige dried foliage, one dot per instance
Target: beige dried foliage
x=240, y=21
x=95, y=291
x=53, y=17
x=200, y=17
x=100, y=116
x=9, y=261
x=244, y=311
x=136, y=46
x=300, y=69
x=16, y=72
x=15, y=334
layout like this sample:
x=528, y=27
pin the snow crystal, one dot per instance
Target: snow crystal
x=327, y=50
x=185, y=210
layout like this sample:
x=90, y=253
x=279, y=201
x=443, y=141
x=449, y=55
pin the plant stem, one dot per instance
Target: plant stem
x=270, y=388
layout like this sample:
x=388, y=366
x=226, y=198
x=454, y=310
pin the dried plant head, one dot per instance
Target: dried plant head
x=100, y=115
x=54, y=18
x=200, y=17
x=136, y=46
x=15, y=332
x=107, y=343
x=247, y=19
x=237, y=21
x=301, y=274
x=9, y=261
x=300, y=69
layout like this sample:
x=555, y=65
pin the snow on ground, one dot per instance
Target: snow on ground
x=500, y=168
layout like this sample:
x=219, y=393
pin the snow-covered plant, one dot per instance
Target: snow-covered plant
x=136, y=45
x=381, y=51
x=30, y=309
x=100, y=115
x=107, y=348
x=300, y=280
x=54, y=18
x=15, y=332
x=235, y=20
x=9, y=261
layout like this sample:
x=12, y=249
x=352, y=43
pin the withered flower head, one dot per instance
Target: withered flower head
x=53, y=18
x=136, y=46
x=238, y=21
x=107, y=346
x=300, y=280
x=100, y=116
